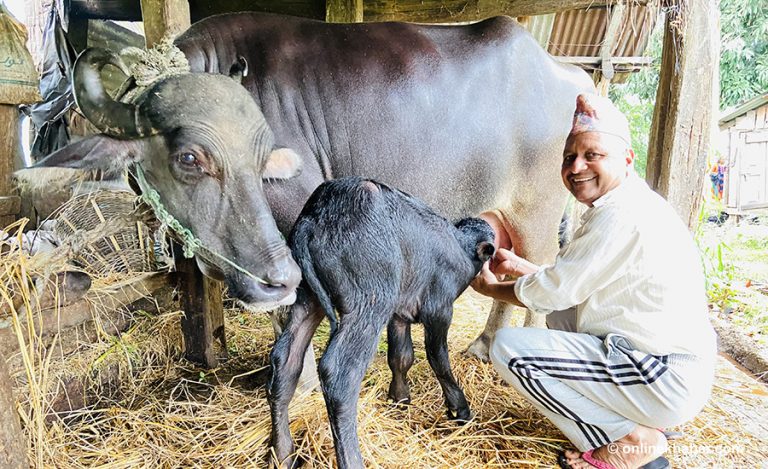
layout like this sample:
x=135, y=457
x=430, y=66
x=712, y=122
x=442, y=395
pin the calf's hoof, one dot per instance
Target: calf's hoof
x=403, y=401
x=399, y=396
x=291, y=462
x=460, y=416
x=479, y=348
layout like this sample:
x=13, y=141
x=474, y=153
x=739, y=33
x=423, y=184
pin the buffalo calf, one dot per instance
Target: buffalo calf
x=375, y=256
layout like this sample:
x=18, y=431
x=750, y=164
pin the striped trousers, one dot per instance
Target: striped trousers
x=596, y=390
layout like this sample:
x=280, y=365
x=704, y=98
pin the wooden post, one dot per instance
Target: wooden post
x=77, y=33
x=164, y=17
x=682, y=117
x=9, y=145
x=203, y=322
x=344, y=11
x=200, y=296
x=604, y=76
x=13, y=452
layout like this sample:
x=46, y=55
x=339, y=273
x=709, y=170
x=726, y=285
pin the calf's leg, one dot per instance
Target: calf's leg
x=287, y=358
x=342, y=368
x=436, y=342
x=308, y=380
x=400, y=359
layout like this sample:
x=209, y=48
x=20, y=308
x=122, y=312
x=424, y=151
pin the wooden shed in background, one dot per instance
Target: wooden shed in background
x=744, y=145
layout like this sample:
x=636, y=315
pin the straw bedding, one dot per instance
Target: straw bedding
x=167, y=413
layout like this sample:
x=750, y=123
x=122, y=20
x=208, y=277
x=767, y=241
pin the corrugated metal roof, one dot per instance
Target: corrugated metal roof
x=540, y=27
x=582, y=32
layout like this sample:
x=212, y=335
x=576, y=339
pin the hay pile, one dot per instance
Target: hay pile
x=169, y=413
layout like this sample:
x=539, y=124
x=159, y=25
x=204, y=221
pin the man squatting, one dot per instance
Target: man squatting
x=629, y=349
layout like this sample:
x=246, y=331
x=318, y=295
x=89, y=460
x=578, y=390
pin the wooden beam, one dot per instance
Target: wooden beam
x=10, y=205
x=585, y=60
x=444, y=11
x=164, y=17
x=130, y=10
x=51, y=320
x=344, y=11
x=685, y=103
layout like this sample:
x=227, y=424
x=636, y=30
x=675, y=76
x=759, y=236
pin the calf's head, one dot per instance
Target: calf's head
x=203, y=144
x=476, y=238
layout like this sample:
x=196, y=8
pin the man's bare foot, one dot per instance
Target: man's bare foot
x=638, y=448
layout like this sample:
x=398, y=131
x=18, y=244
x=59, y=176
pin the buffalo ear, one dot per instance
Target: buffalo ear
x=485, y=250
x=95, y=153
x=282, y=163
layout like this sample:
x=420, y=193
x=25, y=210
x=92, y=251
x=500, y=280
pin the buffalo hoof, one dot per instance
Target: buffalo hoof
x=307, y=385
x=479, y=348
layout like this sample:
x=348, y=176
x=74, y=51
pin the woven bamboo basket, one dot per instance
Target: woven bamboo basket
x=118, y=235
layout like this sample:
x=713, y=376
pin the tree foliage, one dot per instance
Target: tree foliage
x=743, y=50
x=743, y=69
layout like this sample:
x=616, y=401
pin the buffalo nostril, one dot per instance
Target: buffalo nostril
x=287, y=275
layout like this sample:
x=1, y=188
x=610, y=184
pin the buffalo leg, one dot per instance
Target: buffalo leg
x=287, y=358
x=500, y=316
x=400, y=359
x=342, y=369
x=533, y=235
x=436, y=344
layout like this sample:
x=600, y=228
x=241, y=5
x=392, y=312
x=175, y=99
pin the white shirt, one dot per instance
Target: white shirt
x=632, y=269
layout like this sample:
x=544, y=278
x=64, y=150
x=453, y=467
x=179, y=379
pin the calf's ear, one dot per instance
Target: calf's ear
x=485, y=250
x=98, y=152
x=239, y=69
x=282, y=163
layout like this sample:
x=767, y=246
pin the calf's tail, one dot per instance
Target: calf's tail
x=303, y=256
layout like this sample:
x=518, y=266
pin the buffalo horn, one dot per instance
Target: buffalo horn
x=114, y=118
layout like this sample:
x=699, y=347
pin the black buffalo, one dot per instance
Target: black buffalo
x=376, y=255
x=471, y=119
x=204, y=146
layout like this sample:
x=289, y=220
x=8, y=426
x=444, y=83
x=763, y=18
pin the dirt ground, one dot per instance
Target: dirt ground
x=736, y=257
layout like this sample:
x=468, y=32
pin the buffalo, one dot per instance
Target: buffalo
x=378, y=256
x=471, y=119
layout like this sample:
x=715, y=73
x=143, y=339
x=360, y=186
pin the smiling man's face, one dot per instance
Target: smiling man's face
x=593, y=164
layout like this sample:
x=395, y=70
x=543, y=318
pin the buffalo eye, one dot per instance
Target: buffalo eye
x=187, y=159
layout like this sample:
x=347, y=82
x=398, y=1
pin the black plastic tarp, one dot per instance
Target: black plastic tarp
x=49, y=117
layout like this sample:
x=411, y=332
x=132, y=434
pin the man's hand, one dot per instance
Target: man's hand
x=506, y=262
x=484, y=281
